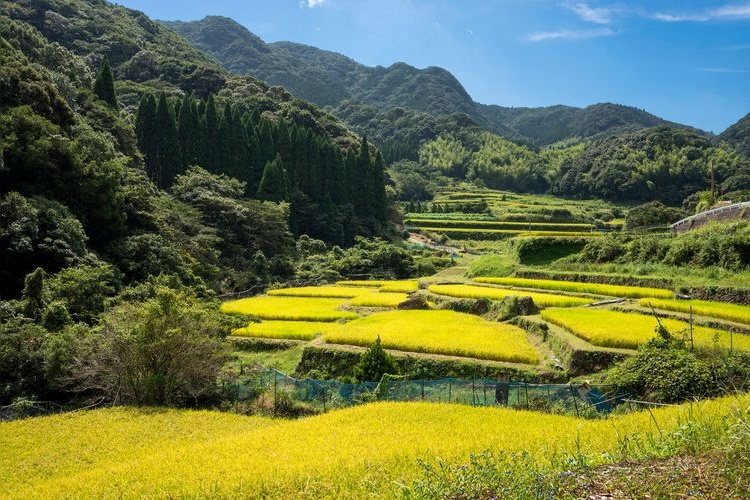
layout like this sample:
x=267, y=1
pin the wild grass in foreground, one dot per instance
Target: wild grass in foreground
x=629, y=330
x=731, y=312
x=477, y=292
x=438, y=332
x=573, y=286
x=293, y=330
x=289, y=308
x=364, y=451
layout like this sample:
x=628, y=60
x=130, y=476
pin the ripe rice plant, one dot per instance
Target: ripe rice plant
x=438, y=332
x=478, y=292
x=574, y=286
x=399, y=286
x=342, y=292
x=293, y=330
x=289, y=308
x=480, y=225
x=628, y=330
x=383, y=299
x=499, y=234
x=731, y=312
x=392, y=286
x=356, y=453
x=370, y=283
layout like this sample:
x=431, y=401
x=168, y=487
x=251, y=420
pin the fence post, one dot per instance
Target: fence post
x=692, y=345
x=526, y=390
x=422, y=389
x=449, y=391
x=575, y=400
x=274, y=392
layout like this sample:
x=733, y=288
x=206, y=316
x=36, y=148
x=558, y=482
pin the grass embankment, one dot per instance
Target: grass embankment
x=438, y=332
x=629, y=330
x=478, y=292
x=577, y=287
x=358, y=452
x=289, y=308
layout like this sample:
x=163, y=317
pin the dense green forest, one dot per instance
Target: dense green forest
x=135, y=150
x=662, y=163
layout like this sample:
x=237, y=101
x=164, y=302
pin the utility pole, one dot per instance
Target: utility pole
x=713, y=185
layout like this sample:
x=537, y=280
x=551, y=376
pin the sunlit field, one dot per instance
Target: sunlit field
x=438, y=332
x=731, y=312
x=292, y=330
x=478, y=292
x=358, y=452
x=289, y=308
x=574, y=286
x=629, y=330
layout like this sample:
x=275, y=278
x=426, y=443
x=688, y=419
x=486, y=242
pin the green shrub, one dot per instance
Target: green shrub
x=374, y=363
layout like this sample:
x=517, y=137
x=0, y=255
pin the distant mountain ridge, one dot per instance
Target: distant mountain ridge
x=330, y=79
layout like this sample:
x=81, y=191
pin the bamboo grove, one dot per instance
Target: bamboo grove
x=334, y=193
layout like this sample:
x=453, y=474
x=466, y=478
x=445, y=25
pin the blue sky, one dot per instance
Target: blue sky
x=686, y=61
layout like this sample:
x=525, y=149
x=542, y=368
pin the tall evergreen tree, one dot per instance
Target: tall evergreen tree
x=225, y=157
x=254, y=161
x=168, y=157
x=104, y=85
x=265, y=136
x=283, y=143
x=363, y=203
x=211, y=136
x=273, y=185
x=145, y=122
x=379, y=199
x=187, y=130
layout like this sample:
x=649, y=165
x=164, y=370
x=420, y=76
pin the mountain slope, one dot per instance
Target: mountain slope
x=329, y=79
x=738, y=135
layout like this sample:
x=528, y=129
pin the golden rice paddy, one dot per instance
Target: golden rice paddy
x=438, y=332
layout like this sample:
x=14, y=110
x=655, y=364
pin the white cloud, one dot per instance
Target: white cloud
x=729, y=12
x=312, y=3
x=565, y=34
x=596, y=15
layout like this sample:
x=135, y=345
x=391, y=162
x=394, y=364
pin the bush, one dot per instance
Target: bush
x=374, y=363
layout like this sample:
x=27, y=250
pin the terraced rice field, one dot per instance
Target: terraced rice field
x=478, y=292
x=576, y=287
x=722, y=310
x=344, y=292
x=388, y=286
x=291, y=330
x=629, y=330
x=382, y=299
x=289, y=308
x=482, y=225
x=360, y=452
x=490, y=234
x=438, y=332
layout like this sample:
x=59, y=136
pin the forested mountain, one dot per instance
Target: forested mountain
x=661, y=163
x=127, y=153
x=331, y=79
x=738, y=135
